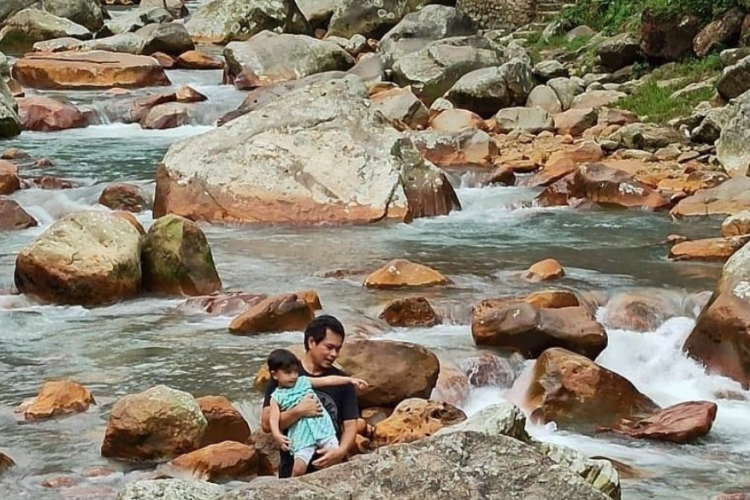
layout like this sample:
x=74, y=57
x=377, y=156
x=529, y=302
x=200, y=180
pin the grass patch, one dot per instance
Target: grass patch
x=536, y=44
x=655, y=104
x=692, y=70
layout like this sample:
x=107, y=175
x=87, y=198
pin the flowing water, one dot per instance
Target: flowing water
x=134, y=345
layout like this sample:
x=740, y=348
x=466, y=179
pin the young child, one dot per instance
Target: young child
x=306, y=435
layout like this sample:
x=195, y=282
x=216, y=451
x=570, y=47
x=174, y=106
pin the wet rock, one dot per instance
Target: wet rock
x=177, y=259
x=86, y=258
x=169, y=38
x=412, y=311
x=13, y=217
x=552, y=299
x=371, y=19
x=166, y=116
x=736, y=225
x=128, y=197
x=221, y=462
x=502, y=175
x=489, y=369
x=170, y=489
x=60, y=397
x=45, y=114
x=456, y=120
x=50, y=183
x=418, y=29
x=524, y=120
x=532, y=331
x=618, y=52
x=640, y=311
x=575, y=121
x=223, y=21
x=9, y=180
x=223, y=304
x=193, y=59
x=396, y=182
x=415, y=419
x=269, y=58
x=465, y=149
x=734, y=79
x=728, y=198
x=155, y=424
x=5, y=462
x=722, y=32
x=88, y=70
x=603, y=185
x=395, y=371
x=545, y=270
x=225, y=423
x=452, y=385
x=437, y=68
x=29, y=26
x=10, y=124
x=668, y=38
x=281, y=313
x=570, y=389
x=682, y=423
x=130, y=219
x=544, y=97
x=403, y=273
x=565, y=162
x=402, y=107
x=708, y=249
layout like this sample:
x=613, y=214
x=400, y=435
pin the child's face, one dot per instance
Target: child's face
x=285, y=377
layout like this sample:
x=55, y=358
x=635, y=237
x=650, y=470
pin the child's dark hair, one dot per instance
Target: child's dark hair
x=281, y=359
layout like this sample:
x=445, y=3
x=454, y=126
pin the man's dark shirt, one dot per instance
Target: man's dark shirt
x=340, y=402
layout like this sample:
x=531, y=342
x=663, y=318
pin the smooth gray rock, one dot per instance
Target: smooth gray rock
x=30, y=26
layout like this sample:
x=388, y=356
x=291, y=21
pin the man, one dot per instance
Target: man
x=324, y=337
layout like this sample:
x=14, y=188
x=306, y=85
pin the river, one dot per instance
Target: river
x=131, y=346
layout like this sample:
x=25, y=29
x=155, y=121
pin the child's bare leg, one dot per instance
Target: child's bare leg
x=300, y=467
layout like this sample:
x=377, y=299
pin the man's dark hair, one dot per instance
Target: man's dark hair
x=318, y=327
x=281, y=359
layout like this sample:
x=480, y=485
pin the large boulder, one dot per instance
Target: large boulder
x=734, y=79
x=169, y=38
x=732, y=147
x=467, y=149
x=736, y=225
x=59, y=397
x=668, y=38
x=681, y=423
x=319, y=154
x=222, y=461
x=415, y=419
x=646, y=136
x=176, y=8
x=88, y=70
x=486, y=91
x=10, y=182
x=618, y=52
x=155, y=424
x=402, y=107
x=87, y=258
x=435, y=69
x=728, y=198
x=570, y=389
x=457, y=465
x=45, y=114
x=87, y=13
x=411, y=311
x=721, y=32
x=281, y=313
x=524, y=120
x=531, y=330
x=721, y=337
x=30, y=26
x=318, y=12
x=402, y=273
x=225, y=423
x=269, y=58
x=10, y=124
x=419, y=29
x=177, y=259
x=170, y=489
x=223, y=21
x=13, y=216
x=642, y=310
x=121, y=196
x=708, y=249
x=370, y=19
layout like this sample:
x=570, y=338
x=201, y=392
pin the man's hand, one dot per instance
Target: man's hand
x=309, y=407
x=329, y=457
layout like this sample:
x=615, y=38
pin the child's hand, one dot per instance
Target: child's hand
x=359, y=383
x=284, y=442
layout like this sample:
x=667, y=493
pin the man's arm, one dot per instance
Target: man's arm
x=308, y=407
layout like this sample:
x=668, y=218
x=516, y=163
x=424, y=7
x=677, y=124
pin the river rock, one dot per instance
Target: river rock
x=418, y=29
x=566, y=89
x=10, y=182
x=167, y=116
x=618, y=52
x=547, y=70
x=87, y=258
x=170, y=489
x=708, y=249
x=13, y=217
x=60, y=397
x=467, y=149
x=370, y=19
x=10, y=124
x=532, y=331
x=403, y=273
x=281, y=313
x=121, y=196
x=155, y=424
x=544, y=97
x=456, y=120
x=412, y=311
x=401, y=106
x=380, y=177
x=728, y=198
x=30, y=26
x=176, y=8
x=177, y=259
x=603, y=185
x=133, y=20
x=437, y=68
x=668, y=38
x=681, y=423
x=736, y=225
x=222, y=462
x=193, y=59
x=646, y=136
x=641, y=311
x=545, y=270
x=88, y=70
x=524, y=120
x=734, y=79
x=223, y=21
x=45, y=114
x=452, y=385
x=169, y=38
x=731, y=148
x=225, y=423
x=575, y=121
x=460, y=465
x=5, y=462
x=415, y=419
x=222, y=304
x=570, y=389
x=488, y=369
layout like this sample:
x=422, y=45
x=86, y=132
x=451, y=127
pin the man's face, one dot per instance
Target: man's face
x=325, y=353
